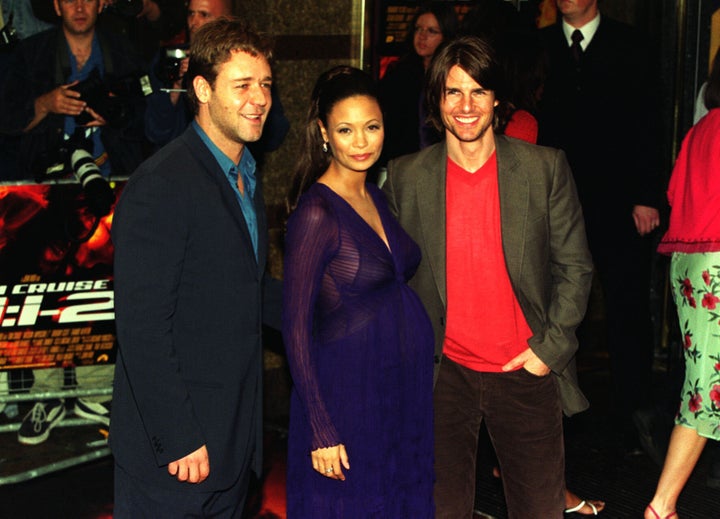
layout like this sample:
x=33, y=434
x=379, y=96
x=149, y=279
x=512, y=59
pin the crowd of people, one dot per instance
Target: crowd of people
x=449, y=295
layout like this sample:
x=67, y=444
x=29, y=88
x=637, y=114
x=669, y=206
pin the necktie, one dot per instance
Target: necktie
x=575, y=48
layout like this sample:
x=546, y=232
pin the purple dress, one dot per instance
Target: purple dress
x=360, y=350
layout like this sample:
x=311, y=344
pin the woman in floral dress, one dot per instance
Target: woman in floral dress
x=693, y=240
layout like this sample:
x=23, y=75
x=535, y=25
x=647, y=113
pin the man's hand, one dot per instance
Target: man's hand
x=97, y=118
x=646, y=219
x=193, y=468
x=528, y=360
x=62, y=100
x=329, y=461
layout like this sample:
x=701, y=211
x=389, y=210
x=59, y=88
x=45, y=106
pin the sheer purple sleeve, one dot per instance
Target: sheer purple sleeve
x=312, y=240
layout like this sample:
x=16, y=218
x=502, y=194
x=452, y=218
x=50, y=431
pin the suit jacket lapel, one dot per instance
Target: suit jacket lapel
x=212, y=168
x=431, y=207
x=261, y=225
x=514, y=193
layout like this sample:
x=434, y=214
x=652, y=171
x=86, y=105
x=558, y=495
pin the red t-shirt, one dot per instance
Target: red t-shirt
x=486, y=327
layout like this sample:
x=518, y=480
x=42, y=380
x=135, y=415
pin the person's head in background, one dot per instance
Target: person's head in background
x=578, y=12
x=78, y=17
x=200, y=12
x=434, y=23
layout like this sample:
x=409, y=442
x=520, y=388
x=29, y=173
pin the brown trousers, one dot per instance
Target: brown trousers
x=523, y=416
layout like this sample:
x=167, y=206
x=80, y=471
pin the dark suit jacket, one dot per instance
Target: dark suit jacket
x=605, y=116
x=543, y=241
x=190, y=299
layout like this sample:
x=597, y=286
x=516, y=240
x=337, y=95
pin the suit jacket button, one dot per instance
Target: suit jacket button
x=436, y=358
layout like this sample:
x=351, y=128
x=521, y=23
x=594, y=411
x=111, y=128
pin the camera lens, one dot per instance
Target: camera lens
x=98, y=194
x=84, y=167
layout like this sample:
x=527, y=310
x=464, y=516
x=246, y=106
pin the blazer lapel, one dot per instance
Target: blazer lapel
x=261, y=225
x=431, y=207
x=212, y=168
x=514, y=193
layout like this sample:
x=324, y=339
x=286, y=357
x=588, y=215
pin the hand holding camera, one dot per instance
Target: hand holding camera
x=171, y=69
x=65, y=100
x=62, y=100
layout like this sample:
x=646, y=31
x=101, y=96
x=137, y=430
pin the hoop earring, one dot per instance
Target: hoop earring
x=325, y=147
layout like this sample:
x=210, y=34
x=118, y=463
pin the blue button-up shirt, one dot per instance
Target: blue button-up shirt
x=247, y=168
x=93, y=133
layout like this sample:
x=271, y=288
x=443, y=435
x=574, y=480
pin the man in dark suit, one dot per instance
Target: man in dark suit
x=505, y=278
x=191, y=295
x=599, y=105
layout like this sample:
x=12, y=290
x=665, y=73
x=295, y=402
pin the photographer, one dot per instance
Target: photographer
x=60, y=85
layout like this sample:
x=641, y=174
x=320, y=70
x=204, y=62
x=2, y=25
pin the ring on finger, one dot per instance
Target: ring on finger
x=329, y=471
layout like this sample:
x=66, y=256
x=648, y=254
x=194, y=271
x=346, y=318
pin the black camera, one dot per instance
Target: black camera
x=8, y=36
x=167, y=68
x=110, y=101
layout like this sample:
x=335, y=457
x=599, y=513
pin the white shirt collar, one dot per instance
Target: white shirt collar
x=588, y=31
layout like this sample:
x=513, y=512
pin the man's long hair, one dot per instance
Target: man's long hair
x=477, y=58
x=213, y=45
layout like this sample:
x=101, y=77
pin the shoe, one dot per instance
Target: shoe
x=584, y=506
x=92, y=411
x=672, y=514
x=37, y=424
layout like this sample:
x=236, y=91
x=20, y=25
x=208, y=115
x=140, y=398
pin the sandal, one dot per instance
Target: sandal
x=582, y=505
x=673, y=514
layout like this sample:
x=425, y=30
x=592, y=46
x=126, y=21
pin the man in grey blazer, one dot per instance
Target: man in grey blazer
x=505, y=278
x=191, y=295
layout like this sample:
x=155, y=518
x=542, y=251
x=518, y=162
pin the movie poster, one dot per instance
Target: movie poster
x=56, y=278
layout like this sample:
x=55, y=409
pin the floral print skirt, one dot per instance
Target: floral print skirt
x=695, y=281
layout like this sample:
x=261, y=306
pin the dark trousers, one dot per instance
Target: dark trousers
x=623, y=264
x=523, y=416
x=135, y=499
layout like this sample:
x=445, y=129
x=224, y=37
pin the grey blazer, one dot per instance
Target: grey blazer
x=544, y=242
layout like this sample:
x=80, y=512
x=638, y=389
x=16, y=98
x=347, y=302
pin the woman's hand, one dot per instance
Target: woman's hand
x=329, y=461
